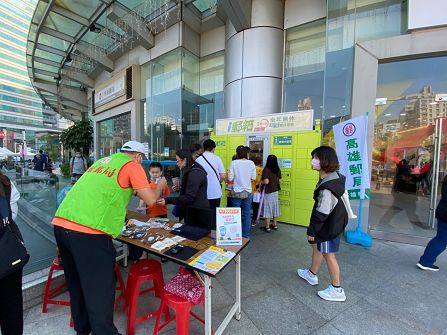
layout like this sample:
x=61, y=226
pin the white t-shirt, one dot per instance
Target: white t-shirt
x=214, y=186
x=242, y=171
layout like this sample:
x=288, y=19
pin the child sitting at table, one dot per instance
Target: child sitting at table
x=156, y=210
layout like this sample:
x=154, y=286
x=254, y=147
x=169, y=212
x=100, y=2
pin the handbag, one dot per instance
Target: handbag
x=257, y=197
x=239, y=195
x=186, y=285
x=14, y=255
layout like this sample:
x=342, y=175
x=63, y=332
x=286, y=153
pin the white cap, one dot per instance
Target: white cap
x=133, y=146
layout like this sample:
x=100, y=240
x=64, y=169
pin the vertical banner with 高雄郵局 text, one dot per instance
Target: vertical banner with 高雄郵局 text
x=352, y=151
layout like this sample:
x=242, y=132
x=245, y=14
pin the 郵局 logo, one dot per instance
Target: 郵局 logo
x=349, y=129
x=105, y=160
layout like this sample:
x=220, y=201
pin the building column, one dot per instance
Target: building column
x=254, y=62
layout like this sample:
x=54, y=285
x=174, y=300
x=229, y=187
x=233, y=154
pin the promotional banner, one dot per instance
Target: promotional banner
x=352, y=151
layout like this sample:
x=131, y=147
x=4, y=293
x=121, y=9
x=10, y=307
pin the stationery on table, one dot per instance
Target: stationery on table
x=212, y=260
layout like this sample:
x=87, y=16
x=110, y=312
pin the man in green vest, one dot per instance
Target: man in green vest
x=87, y=220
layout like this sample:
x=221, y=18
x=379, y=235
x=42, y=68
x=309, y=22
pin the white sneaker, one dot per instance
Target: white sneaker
x=308, y=276
x=332, y=294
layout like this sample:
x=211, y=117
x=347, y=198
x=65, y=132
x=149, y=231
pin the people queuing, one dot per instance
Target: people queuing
x=270, y=178
x=242, y=172
x=256, y=189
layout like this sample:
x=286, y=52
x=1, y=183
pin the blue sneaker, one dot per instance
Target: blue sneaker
x=427, y=267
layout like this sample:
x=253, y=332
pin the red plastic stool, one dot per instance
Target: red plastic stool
x=120, y=287
x=51, y=293
x=183, y=309
x=139, y=273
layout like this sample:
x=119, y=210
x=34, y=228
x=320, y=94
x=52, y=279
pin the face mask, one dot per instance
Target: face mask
x=78, y=155
x=316, y=164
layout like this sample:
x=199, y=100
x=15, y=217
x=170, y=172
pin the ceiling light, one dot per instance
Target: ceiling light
x=388, y=114
x=433, y=103
x=403, y=114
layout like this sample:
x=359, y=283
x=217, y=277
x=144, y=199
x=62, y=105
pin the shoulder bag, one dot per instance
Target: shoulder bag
x=215, y=172
x=14, y=255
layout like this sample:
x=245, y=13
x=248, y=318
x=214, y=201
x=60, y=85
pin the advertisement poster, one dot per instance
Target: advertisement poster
x=351, y=146
x=228, y=226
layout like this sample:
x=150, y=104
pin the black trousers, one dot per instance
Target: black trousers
x=89, y=262
x=11, y=304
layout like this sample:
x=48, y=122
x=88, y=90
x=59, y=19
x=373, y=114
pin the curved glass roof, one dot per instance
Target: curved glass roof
x=71, y=41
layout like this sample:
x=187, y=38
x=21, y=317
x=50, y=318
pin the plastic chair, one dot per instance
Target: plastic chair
x=139, y=273
x=183, y=309
x=50, y=293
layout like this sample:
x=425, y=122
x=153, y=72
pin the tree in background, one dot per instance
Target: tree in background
x=78, y=137
x=50, y=144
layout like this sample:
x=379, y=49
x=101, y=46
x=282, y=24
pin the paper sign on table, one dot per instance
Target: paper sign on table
x=228, y=226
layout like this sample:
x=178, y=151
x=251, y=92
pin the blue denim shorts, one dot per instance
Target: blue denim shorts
x=326, y=247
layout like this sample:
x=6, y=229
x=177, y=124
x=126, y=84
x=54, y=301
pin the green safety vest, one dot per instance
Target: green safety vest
x=97, y=200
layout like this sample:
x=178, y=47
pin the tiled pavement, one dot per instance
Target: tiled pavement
x=386, y=293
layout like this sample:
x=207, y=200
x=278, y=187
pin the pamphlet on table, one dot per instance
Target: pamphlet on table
x=212, y=260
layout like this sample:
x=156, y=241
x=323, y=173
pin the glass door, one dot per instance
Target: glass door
x=409, y=160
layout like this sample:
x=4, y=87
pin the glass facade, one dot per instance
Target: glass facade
x=405, y=157
x=304, y=68
x=112, y=134
x=182, y=93
x=319, y=56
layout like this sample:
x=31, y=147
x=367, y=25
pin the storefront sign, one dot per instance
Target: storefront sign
x=228, y=226
x=110, y=92
x=221, y=143
x=293, y=121
x=351, y=143
x=282, y=140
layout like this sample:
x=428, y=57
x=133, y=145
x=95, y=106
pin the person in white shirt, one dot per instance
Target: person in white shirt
x=215, y=170
x=78, y=165
x=242, y=172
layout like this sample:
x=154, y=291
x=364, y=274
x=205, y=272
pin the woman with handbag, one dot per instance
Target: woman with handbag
x=11, y=245
x=270, y=178
x=193, y=186
x=242, y=172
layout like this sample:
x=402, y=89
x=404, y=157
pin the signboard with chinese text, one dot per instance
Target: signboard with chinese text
x=110, y=92
x=282, y=140
x=228, y=226
x=293, y=121
x=352, y=151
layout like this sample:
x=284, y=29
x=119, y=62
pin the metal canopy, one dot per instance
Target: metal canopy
x=71, y=41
